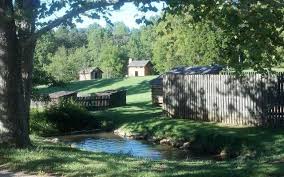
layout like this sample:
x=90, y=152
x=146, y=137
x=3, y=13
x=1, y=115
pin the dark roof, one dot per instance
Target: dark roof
x=214, y=69
x=89, y=70
x=61, y=94
x=139, y=63
x=157, y=81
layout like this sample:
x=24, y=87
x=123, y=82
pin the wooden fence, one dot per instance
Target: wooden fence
x=94, y=102
x=157, y=95
x=104, y=100
x=253, y=99
x=91, y=101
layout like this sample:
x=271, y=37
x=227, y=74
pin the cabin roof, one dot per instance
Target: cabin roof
x=213, y=69
x=139, y=63
x=59, y=94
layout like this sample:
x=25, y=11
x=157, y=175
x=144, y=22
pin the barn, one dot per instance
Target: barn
x=90, y=74
x=157, y=83
x=139, y=68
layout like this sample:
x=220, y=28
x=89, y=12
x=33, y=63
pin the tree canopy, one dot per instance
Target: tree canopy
x=236, y=34
x=253, y=28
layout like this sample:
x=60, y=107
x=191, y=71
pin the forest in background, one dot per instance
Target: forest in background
x=171, y=42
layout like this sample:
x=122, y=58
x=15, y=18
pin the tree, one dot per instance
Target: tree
x=19, y=29
x=252, y=28
x=120, y=33
x=134, y=45
x=70, y=37
x=140, y=43
x=97, y=37
x=82, y=59
x=46, y=46
x=147, y=39
x=62, y=53
x=111, y=61
x=13, y=116
x=62, y=66
x=181, y=44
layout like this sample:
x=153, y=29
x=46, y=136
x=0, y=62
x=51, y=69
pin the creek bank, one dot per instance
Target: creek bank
x=198, y=145
x=181, y=144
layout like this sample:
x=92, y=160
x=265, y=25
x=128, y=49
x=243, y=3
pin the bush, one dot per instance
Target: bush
x=69, y=116
x=62, y=118
x=216, y=143
x=40, y=125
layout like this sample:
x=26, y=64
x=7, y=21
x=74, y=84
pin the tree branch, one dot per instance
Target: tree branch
x=73, y=13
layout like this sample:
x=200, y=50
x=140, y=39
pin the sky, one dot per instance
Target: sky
x=127, y=14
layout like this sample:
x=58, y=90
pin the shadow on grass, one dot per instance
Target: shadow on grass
x=131, y=113
x=79, y=86
x=59, y=160
x=130, y=84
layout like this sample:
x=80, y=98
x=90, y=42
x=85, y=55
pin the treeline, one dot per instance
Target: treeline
x=171, y=42
x=62, y=53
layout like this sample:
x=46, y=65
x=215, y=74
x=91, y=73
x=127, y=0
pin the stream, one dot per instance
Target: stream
x=113, y=144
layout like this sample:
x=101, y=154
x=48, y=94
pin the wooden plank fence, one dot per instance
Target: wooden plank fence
x=157, y=95
x=104, y=100
x=253, y=99
x=92, y=101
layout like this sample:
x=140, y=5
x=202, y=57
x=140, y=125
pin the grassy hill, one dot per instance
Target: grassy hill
x=138, y=88
x=139, y=107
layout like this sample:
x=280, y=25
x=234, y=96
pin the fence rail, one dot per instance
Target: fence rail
x=92, y=101
x=253, y=99
x=103, y=100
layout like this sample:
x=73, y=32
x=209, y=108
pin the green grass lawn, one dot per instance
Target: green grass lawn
x=137, y=87
x=58, y=159
x=262, y=149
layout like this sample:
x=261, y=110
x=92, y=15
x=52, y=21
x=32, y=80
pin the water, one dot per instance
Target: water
x=113, y=144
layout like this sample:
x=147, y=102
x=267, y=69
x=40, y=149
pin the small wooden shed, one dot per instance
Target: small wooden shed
x=157, y=83
x=90, y=74
x=140, y=68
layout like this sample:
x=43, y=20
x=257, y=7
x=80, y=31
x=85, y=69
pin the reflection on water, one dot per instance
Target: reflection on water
x=110, y=143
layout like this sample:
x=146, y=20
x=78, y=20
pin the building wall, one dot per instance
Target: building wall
x=84, y=77
x=132, y=70
x=148, y=69
x=90, y=76
x=96, y=75
x=142, y=71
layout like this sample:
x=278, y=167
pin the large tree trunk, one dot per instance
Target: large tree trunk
x=13, y=117
x=27, y=54
x=27, y=70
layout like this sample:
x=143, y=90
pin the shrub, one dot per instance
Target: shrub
x=69, y=116
x=62, y=118
x=216, y=143
x=40, y=125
